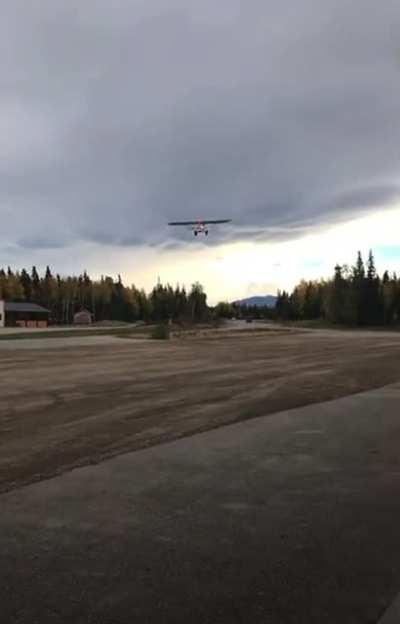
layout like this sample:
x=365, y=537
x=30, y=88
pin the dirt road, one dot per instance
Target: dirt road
x=66, y=406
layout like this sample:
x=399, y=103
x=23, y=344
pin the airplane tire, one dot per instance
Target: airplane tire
x=206, y=232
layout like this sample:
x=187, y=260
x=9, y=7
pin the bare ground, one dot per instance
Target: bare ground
x=62, y=407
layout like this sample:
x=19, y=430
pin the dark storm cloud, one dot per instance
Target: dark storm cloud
x=118, y=117
x=40, y=242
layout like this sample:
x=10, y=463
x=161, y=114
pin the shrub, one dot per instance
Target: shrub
x=160, y=332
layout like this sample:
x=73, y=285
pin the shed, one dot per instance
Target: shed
x=23, y=314
x=83, y=317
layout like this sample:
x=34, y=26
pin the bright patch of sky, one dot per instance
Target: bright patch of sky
x=233, y=270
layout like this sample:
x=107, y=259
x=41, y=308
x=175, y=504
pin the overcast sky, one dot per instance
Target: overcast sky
x=116, y=117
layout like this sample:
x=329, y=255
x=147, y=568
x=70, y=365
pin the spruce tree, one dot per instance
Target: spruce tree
x=358, y=291
x=35, y=282
x=373, y=300
x=26, y=284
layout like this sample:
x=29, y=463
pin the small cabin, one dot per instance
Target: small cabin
x=23, y=314
x=83, y=317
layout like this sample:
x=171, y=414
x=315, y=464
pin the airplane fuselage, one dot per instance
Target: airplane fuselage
x=200, y=228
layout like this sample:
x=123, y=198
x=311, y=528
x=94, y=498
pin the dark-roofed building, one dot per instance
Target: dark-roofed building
x=23, y=314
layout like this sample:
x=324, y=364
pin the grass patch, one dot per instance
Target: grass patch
x=120, y=332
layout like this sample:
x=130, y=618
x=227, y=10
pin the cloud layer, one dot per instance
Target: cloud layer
x=116, y=117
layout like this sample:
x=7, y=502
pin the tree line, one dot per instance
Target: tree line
x=106, y=298
x=225, y=310
x=355, y=295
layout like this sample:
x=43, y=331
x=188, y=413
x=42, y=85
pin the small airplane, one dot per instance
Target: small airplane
x=200, y=226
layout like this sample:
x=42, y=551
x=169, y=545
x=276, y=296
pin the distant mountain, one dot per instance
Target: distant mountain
x=268, y=301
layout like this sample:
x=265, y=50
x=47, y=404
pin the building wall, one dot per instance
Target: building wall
x=82, y=318
x=2, y=314
x=25, y=319
x=32, y=324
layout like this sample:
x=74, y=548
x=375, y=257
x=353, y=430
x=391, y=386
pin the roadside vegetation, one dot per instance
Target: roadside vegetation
x=355, y=296
x=161, y=332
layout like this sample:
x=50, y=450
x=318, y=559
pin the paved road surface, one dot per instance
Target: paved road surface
x=291, y=518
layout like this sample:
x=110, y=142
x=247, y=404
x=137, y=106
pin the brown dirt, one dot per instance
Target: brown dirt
x=65, y=407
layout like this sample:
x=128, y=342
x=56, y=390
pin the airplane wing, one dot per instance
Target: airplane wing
x=217, y=221
x=200, y=222
x=183, y=223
